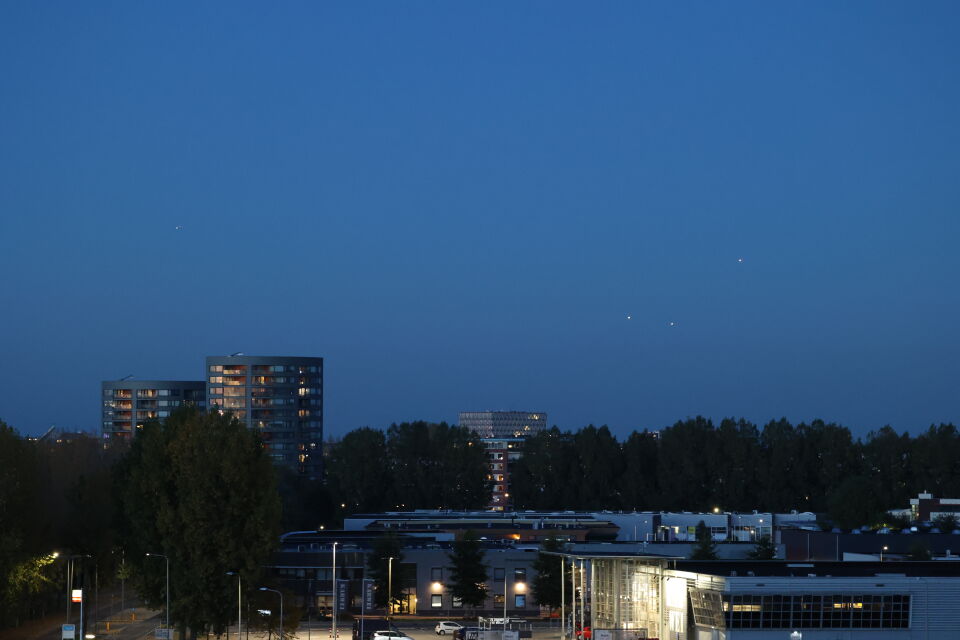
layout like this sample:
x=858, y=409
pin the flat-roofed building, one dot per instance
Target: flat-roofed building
x=281, y=397
x=128, y=404
x=503, y=424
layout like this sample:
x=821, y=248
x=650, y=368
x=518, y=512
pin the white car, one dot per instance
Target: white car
x=447, y=626
x=389, y=634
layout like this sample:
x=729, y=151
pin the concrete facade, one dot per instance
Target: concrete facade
x=280, y=397
x=127, y=404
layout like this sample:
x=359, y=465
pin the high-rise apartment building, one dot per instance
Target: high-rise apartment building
x=128, y=404
x=280, y=397
x=503, y=424
x=502, y=433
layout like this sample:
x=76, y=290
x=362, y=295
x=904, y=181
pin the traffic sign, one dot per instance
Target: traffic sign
x=68, y=632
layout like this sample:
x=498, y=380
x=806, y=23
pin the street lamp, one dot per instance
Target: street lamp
x=281, y=608
x=160, y=555
x=885, y=548
x=70, y=576
x=237, y=573
x=333, y=617
x=389, y=587
x=518, y=587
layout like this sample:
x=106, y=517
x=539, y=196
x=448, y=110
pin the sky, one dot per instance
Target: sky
x=616, y=213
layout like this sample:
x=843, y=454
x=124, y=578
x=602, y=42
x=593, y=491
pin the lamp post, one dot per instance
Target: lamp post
x=518, y=587
x=70, y=576
x=885, y=548
x=237, y=573
x=333, y=617
x=160, y=555
x=281, y=608
x=389, y=587
x=504, y=605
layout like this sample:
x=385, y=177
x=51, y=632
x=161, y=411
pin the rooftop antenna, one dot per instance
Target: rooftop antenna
x=238, y=353
x=126, y=377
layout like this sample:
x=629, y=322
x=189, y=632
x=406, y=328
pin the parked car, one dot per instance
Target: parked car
x=466, y=633
x=447, y=626
x=389, y=634
x=369, y=627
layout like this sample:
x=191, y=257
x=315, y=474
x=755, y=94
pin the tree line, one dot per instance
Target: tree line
x=697, y=465
x=199, y=489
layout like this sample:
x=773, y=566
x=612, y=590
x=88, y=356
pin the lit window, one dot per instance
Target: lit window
x=520, y=601
x=436, y=601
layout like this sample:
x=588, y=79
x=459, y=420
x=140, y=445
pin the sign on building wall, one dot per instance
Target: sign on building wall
x=343, y=590
x=368, y=591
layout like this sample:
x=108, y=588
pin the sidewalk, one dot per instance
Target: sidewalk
x=125, y=627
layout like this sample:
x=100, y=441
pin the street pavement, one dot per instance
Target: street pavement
x=416, y=629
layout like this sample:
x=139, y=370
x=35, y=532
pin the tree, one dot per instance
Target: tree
x=706, y=548
x=765, y=549
x=855, y=503
x=200, y=489
x=434, y=465
x=358, y=471
x=378, y=563
x=639, y=480
x=468, y=574
x=546, y=587
x=946, y=522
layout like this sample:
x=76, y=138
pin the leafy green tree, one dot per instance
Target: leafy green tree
x=935, y=460
x=734, y=464
x=706, y=548
x=436, y=466
x=378, y=566
x=887, y=458
x=781, y=487
x=546, y=586
x=200, y=489
x=765, y=549
x=599, y=469
x=639, y=478
x=946, y=522
x=468, y=574
x=686, y=476
x=359, y=473
x=855, y=503
x=540, y=479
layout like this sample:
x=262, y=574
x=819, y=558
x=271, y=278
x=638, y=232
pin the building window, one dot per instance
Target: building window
x=456, y=602
x=216, y=368
x=436, y=601
x=520, y=601
x=436, y=574
x=520, y=574
x=498, y=599
x=772, y=611
x=498, y=574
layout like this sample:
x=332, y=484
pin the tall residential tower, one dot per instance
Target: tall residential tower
x=502, y=432
x=127, y=404
x=280, y=397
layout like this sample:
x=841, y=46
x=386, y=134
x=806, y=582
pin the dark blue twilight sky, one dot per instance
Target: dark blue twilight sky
x=458, y=205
